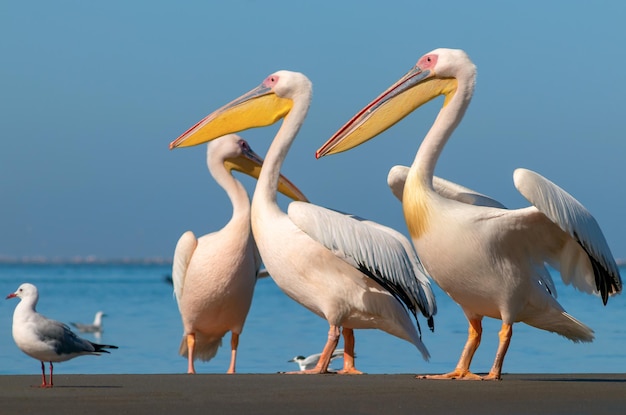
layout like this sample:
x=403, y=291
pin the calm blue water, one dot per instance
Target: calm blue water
x=143, y=321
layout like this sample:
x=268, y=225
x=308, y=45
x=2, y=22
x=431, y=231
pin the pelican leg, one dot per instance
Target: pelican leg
x=505, y=335
x=348, y=353
x=234, y=343
x=191, y=344
x=462, y=368
x=329, y=348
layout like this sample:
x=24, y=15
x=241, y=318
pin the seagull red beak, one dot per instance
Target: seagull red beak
x=12, y=295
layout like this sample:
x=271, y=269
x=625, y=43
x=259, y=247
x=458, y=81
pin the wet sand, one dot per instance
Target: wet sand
x=312, y=394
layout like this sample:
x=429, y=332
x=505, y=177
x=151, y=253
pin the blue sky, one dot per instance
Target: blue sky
x=93, y=92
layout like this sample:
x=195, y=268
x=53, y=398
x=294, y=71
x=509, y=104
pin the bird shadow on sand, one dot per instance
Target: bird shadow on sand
x=80, y=387
x=578, y=380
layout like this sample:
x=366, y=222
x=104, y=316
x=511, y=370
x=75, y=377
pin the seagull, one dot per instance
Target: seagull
x=44, y=339
x=310, y=362
x=95, y=327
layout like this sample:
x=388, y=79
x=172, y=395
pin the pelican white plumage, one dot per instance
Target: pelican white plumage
x=214, y=276
x=491, y=261
x=397, y=178
x=353, y=273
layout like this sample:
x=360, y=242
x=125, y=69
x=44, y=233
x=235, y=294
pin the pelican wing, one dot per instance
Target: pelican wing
x=185, y=248
x=457, y=192
x=427, y=299
x=545, y=280
x=572, y=217
x=377, y=251
x=397, y=178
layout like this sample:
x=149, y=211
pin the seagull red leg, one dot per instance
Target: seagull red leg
x=43, y=375
x=51, y=367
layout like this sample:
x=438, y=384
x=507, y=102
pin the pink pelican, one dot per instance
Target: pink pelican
x=214, y=276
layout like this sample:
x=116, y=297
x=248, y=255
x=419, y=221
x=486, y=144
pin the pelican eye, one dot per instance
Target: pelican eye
x=244, y=145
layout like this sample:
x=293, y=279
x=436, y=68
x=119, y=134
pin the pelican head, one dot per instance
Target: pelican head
x=236, y=154
x=262, y=106
x=434, y=74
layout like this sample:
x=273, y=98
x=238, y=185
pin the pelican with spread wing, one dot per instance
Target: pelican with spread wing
x=490, y=260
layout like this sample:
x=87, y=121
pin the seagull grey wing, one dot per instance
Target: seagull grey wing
x=376, y=253
x=574, y=219
x=337, y=354
x=85, y=328
x=397, y=177
x=61, y=337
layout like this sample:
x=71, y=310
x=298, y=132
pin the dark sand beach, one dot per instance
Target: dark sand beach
x=318, y=394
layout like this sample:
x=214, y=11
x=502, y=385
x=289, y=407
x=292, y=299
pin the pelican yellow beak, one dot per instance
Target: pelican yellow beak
x=414, y=89
x=258, y=108
x=250, y=163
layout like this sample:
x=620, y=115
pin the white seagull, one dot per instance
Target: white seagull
x=214, y=275
x=490, y=260
x=309, y=362
x=95, y=327
x=44, y=339
x=354, y=273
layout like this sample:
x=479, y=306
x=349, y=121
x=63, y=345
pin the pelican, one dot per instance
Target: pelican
x=491, y=261
x=354, y=273
x=214, y=276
